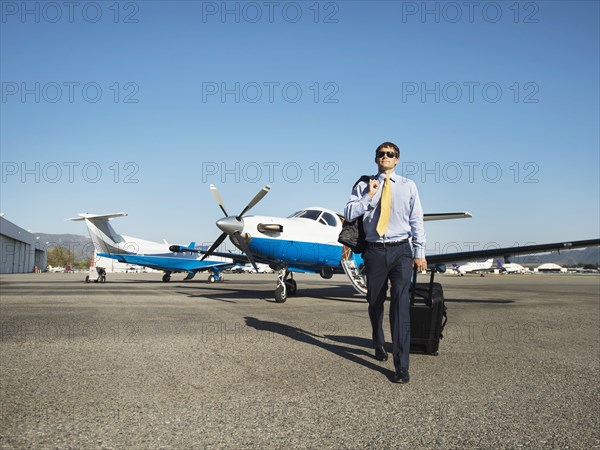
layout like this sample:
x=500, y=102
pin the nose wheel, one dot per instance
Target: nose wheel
x=285, y=286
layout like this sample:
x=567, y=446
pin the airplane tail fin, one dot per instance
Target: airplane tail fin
x=103, y=235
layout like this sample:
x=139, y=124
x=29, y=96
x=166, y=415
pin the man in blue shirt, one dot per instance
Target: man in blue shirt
x=392, y=219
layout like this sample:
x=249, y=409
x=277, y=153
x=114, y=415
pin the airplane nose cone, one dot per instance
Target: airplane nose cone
x=230, y=224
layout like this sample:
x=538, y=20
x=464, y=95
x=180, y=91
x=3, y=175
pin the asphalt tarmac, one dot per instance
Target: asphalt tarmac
x=137, y=363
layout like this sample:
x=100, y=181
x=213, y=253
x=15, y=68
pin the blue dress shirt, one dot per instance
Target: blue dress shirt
x=406, y=217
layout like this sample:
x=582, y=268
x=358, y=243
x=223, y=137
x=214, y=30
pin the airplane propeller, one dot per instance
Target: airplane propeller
x=233, y=225
x=217, y=196
x=257, y=198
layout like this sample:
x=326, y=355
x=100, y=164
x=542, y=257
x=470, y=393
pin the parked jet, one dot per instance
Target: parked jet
x=474, y=266
x=511, y=267
x=108, y=243
x=306, y=241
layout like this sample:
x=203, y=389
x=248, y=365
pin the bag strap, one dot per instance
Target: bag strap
x=445, y=316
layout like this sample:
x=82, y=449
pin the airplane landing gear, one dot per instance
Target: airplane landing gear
x=285, y=287
x=166, y=277
x=216, y=276
x=281, y=294
x=101, y=276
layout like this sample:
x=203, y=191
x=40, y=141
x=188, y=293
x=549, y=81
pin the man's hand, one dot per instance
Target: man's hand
x=420, y=264
x=373, y=187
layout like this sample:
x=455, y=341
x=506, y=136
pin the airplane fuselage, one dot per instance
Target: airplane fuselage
x=290, y=245
x=283, y=241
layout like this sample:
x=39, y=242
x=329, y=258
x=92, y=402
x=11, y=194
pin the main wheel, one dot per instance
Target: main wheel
x=166, y=278
x=87, y=278
x=280, y=294
x=102, y=279
x=211, y=279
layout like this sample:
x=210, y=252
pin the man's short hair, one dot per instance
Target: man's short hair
x=390, y=145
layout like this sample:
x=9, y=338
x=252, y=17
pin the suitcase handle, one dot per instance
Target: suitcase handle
x=429, y=298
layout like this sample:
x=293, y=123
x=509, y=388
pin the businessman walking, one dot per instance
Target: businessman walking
x=392, y=220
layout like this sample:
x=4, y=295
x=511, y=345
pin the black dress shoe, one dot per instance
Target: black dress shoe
x=380, y=354
x=401, y=376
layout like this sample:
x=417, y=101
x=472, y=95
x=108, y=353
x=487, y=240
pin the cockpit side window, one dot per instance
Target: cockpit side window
x=329, y=219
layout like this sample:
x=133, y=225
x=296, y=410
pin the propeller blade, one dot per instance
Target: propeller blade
x=217, y=196
x=245, y=249
x=257, y=198
x=213, y=247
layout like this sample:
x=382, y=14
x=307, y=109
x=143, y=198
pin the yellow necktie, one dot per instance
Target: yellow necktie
x=386, y=205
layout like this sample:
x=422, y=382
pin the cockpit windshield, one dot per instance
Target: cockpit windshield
x=322, y=217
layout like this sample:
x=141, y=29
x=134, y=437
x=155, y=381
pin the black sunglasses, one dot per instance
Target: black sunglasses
x=381, y=154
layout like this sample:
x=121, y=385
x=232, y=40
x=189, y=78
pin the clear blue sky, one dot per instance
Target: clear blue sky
x=139, y=106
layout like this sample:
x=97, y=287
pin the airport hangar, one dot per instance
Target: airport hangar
x=20, y=251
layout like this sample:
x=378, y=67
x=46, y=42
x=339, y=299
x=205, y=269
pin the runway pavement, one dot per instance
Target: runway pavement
x=137, y=363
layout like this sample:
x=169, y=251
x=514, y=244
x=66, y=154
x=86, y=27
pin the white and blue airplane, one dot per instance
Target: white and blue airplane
x=307, y=241
x=155, y=255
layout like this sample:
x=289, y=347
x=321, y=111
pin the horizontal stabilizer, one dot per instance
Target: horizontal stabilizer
x=98, y=217
x=182, y=249
x=447, y=216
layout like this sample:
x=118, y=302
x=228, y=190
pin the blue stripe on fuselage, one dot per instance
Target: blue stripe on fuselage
x=297, y=253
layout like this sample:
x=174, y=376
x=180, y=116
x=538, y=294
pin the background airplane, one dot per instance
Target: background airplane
x=248, y=268
x=511, y=267
x=155, y=255
x=473, y=266
x=306, y=241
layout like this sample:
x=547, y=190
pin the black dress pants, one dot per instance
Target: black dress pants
x=394, y=264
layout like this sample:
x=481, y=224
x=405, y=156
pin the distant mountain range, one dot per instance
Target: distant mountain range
x=84, y=250
x=590, y=255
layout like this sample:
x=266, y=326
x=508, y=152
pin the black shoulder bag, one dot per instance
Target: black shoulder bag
x=352, y=234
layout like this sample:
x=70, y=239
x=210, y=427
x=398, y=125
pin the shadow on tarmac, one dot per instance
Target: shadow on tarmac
x=470, y=300
x=339, y=293
x=351, y=354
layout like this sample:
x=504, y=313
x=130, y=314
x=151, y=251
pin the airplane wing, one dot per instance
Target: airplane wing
x=507, y=252
x=169, y=263
x=438, y=216
x=447, y=216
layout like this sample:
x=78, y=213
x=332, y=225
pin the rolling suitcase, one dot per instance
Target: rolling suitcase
x=427, y=317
